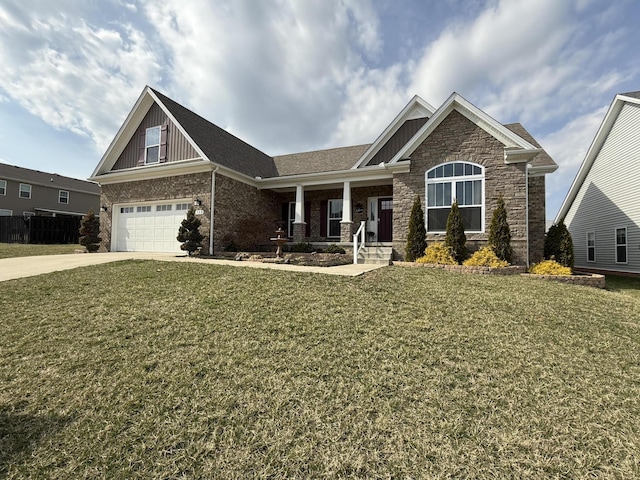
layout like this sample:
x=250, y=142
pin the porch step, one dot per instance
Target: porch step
x=376, y=255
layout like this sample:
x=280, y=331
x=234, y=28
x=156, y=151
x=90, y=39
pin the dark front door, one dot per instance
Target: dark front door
x=385, y=219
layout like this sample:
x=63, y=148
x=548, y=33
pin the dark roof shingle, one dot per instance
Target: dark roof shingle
x=53, y=180
x=332, y=159
x=542, y=159
x=218, y=145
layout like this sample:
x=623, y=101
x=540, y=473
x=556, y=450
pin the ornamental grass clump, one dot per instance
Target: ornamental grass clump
x=437, y=253
x=485, y=257
x=549, y=267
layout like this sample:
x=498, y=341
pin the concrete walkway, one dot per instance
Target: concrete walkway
x=20, y=267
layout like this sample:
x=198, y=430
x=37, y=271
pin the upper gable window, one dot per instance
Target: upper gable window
x=25, y=190
x=3, y=187
x=456, y=181
x=152, y=145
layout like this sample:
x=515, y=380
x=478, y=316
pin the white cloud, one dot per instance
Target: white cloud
x=74, y=75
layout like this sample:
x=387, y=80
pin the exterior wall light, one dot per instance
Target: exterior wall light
x=104, y=208
x=197, y=202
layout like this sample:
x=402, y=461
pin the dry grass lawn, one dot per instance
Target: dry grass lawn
x=169, y=370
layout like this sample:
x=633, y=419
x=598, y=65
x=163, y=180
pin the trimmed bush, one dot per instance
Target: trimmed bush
x=89, y=232
x=302, y=247
x=500, y=233
x=558, y=245
x=485, y=257
x=189, y=232
x=455, y=239
x=549, y=267
x=417, y=238
x=333, y=248
x=437, y=253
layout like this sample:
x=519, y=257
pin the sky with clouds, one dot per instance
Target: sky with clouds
x=296, y=75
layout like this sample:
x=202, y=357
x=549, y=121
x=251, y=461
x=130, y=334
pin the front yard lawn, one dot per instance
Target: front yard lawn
x=9, y=250
x=181, y=370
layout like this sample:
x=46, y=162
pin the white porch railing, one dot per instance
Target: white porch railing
x=360, y=233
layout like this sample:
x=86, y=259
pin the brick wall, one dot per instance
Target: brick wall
x=459, y=139
x=197, y=185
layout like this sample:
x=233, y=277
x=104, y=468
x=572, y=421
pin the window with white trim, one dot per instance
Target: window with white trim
x=63, y=196
x=334, y=217
x=455, y=181
x=143, y=209
x=126, y=210
x=3, y=187
x=152, y=145
x=621, y=245
x=182, y=206
x=591, y=246
x=25, y=191
x=5, y=213
x=163, y=208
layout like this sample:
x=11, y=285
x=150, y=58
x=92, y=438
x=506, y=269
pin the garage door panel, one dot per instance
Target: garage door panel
x=148, y=231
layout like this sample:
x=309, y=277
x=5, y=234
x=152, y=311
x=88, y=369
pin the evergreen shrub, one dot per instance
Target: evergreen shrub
x=549, y=267
x=558, y=245
x=500, y=233
x=437, y=253
x=333, y=248
x=417, y=238
x=485, y=257
x=455, y=239
x=90, y=232
x=189, y=232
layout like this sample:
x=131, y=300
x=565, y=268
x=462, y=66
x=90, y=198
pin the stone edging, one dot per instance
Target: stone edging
x=512, y=270
x=590, y=280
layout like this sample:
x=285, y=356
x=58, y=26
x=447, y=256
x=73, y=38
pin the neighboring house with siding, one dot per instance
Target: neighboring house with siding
x=26, y=192
x=166, y=158
x=602, y=208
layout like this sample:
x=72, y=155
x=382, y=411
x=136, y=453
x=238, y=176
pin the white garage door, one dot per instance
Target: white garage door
x=149, y=227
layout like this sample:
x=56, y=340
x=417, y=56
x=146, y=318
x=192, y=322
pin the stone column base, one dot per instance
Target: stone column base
x=346, y=232
x=299, y=231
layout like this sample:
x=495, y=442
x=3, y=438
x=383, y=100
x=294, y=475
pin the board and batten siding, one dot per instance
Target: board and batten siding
x=178, y=147
x=610, y=198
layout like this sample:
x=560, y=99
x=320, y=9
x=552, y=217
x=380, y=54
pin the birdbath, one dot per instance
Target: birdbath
x=279, y=241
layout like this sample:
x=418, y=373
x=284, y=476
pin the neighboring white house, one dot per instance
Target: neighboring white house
x=602, y=208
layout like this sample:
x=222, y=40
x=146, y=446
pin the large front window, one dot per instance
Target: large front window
x=334, y=217
x=457, y=181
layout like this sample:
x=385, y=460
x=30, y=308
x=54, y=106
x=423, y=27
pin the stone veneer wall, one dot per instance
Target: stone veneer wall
x=459, y=139
x=169, y=188
x=238, y=202
x=537, y=218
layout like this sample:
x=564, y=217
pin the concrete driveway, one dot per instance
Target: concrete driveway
x=19, y=267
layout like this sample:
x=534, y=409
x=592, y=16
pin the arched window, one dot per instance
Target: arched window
x=461, y=181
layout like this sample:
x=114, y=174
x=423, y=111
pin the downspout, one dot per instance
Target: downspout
x=526, y=196
x=213, y=193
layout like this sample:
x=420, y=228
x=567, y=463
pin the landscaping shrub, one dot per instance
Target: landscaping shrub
x=549, y=267
x=437, y=253
x=485, y=257
x=500, y=233
x=189, y=232
x=558, y=245
x=302, y=247
x=417, y=238
x=455, y=239
x=333, y=248
x=89, y=232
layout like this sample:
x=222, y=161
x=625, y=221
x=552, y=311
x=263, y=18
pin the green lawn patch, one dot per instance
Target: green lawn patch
x=9, y=250
x=626, y=285
x=178, y=370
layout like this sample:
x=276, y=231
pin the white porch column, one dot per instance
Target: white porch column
x=346, y=203
x=299, y=204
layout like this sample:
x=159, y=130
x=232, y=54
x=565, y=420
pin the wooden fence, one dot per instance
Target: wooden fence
x=49, y=230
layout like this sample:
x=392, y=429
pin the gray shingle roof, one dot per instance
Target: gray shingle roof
x=220, y=146
x=319, y=161
x=36, y=177
x=632, y=94
x=542, y=159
